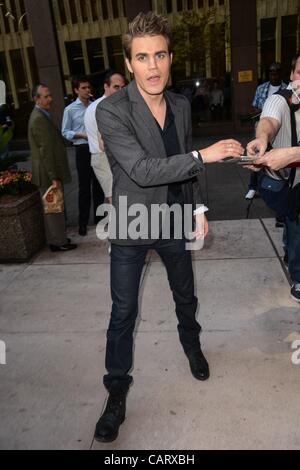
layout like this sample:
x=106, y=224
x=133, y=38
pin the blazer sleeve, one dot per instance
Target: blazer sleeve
x=196, y=183
x=122, y=143
x=43, y=140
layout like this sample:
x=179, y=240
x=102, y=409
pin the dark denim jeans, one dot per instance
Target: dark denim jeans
x=126, y=268
x=293, y=248
x=88, y=184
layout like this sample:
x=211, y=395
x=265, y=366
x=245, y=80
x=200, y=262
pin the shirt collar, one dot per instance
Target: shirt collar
x=79, y=102
x=44, y=111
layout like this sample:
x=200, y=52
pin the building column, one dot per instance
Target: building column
x=278, y=33
x=244, y=57
x=133, y=7
x=46, y=52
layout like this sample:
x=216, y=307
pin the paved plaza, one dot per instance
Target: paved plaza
x=55, y=311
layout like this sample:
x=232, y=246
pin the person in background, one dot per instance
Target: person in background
x=216, y=101
x=276, y=127
x=73, y=129
x=50, y=165
x=113, y=82
x=6, y=125
x=263, y=91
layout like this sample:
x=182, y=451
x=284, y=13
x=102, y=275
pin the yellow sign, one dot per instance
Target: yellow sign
x=245, y=76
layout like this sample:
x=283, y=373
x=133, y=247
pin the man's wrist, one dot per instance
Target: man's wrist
x=197, y=154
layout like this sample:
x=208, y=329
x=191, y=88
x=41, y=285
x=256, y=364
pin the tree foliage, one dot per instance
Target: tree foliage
x=196, y=38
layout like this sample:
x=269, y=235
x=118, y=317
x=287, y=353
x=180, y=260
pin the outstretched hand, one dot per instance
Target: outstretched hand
x=222, y=149
x=276, y=159
x=202, y=228
x=257, y=147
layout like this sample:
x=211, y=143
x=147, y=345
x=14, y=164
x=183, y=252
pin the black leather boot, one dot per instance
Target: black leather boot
x=107, y=428
x=199, y=365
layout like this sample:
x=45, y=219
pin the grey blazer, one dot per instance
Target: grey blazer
x=136, y=153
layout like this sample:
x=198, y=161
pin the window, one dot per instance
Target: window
x=19, y=73
x=84, y=12
x=23, y=10
x=62, y=13
x=200, y=4
x=221, y=2
x=104, y=9
x=124, y=8
x=267, y=47
x=95, y=55
x=6, y=22
x=94, y=7
x=179, y=5
x=190, y=5
x=115, y=9
x=74, y=18
x=115, y=53
x=217, y=46
x=3, y=70
x=169, y=6
x=288, y=41
x=211, y=3
x=14, y=18
x=33, y=66
x=75, y=57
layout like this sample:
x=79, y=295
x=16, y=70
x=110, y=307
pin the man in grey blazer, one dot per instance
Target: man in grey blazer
x=147, y=137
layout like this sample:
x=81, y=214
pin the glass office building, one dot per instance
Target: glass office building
x=89, y=35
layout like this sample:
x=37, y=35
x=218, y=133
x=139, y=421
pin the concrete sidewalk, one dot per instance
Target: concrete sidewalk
x=54, y=312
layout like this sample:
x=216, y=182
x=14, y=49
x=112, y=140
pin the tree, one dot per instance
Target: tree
x=198, y=38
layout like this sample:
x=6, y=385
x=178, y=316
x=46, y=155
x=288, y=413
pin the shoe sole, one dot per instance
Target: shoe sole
x=294, y=298
x=102, y=439
x=201, y=378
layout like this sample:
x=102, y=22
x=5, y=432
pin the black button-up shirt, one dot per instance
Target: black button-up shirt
x=172, y=147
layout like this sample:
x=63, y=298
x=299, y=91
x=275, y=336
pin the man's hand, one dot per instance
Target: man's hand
x=202, y=228
x=279, y=158
x=257, y=147
x=221, y=149
x=81, y=136
x=100, y=141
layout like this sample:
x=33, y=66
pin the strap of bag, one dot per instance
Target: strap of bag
x=287, y=95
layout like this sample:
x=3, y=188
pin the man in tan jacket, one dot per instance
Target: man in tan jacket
x=49, y=163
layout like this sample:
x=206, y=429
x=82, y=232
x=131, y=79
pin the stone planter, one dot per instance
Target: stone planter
x=21, y=228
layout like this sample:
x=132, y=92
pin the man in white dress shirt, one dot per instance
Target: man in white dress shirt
x=73, y=129
x=113, y=82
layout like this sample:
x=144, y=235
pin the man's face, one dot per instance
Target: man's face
x=275, y=77
x=150, y=63
x=295, y=75
x=116, y=83
x=83, y=91
x=44, y=99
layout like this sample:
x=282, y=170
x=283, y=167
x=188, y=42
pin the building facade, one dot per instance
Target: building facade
x=89, y=35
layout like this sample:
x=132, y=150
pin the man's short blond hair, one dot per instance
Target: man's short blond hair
x=147, y=24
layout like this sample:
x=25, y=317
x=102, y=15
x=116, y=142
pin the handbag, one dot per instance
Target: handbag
x=53, y=201
x=268, y=183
